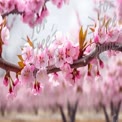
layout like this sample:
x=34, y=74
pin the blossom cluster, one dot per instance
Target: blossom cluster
x=36, y=60
x=32, y=11
x=108, y=86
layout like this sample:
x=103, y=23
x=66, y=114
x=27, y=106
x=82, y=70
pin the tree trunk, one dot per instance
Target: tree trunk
x=62, y=113
x=35, y=110
x=115, y=113
x=72, y=109
x=107, y=119
x=2, y=109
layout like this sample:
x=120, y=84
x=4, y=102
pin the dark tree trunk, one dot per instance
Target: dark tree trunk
x=72, y=109
x=115, y=112
x=2, y=109
x=62, y=113
x=107, y=119
x=35, y=109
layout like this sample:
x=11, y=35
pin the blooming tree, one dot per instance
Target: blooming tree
x=63, y=59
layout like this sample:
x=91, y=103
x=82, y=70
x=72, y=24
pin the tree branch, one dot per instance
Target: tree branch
x=78, y=63
x=14, y=11
x=9, y=66
x=86, y=59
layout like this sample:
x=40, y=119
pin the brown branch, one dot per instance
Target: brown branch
x=78, y=63
x=86, y=59
x=14, y=11
x=9, y=66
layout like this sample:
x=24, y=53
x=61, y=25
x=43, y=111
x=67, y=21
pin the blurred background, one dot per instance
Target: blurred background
x=62, y=103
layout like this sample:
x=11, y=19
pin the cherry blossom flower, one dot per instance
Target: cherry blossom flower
x=27, y=74
x=53, y=79
x=42, y=75
x=73, y=76
x=69, y=52
x=58, y=3
x=27, y=54
x=6, y=80
x=59, y=57
x=50, y=53
x=5, y=34
x=119, y=10
x=42, y=60
x=37, y=88
x=16, y=81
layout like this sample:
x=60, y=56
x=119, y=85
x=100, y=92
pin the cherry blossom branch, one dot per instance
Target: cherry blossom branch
x=15, y=11
x=78, y=63
x=9, y=66
x=86, y=59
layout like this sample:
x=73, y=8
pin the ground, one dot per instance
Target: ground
x=52, y=117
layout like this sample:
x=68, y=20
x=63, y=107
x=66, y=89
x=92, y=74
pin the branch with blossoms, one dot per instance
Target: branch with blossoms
x=81, y=62
x=32, y=12
x=100, y=48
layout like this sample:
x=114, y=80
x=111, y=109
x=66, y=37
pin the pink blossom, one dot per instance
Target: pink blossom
x=16, y=81
x=42, y=59
x=58, y=3
x=27, y=54
x=42, y=75
x=53, y=79
x=73, y=76
x=113, y=35
x=70, y=52
x=5, y=35
x=27, y=74
x=6, y=80
x=59, y=57
x=20, y=5
x=50, y=53
x=66, y=68
x=44, y=13
x=96, y=39
x=37, y=88
x=119, y=10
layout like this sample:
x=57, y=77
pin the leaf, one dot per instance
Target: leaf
x=30, y=42
x=107, y=23
x=89, y=67
x=20, y=57
x=85, y=43
x=92, y=29
x=104, y=20
x=21, y=64
x=82, y=37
